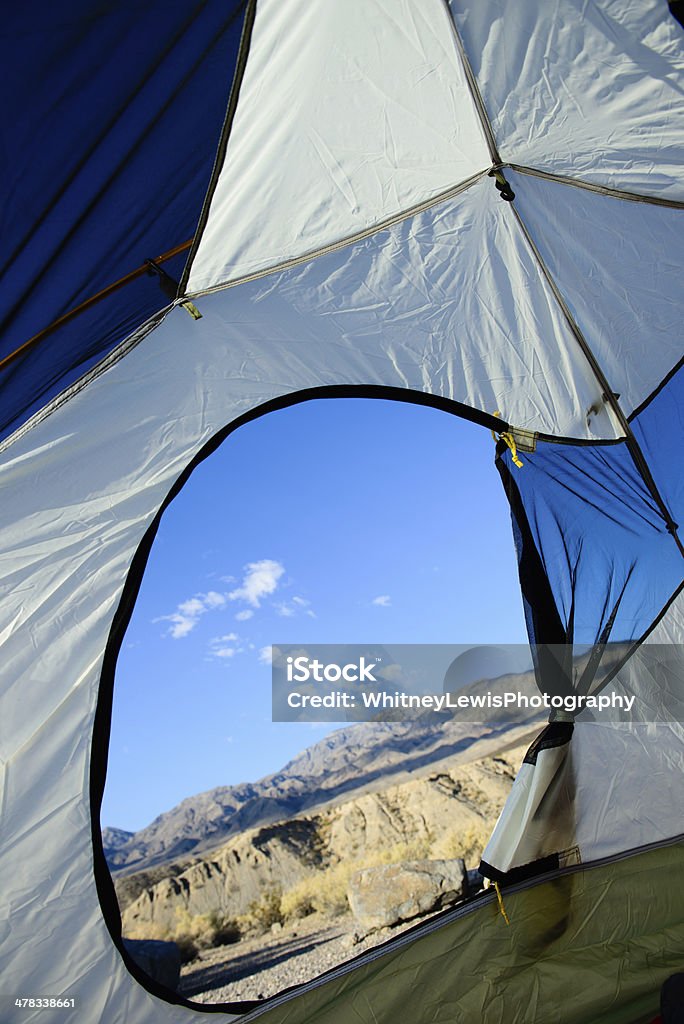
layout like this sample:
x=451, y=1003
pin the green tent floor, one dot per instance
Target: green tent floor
x=591, y=945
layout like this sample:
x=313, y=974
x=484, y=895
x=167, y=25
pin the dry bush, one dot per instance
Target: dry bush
x=321, y=892
x=191, y=932
x=299, y=901
x=325, y=892
x=468, y=844
x=148, y=931
x=189, y=949
x=263, y=913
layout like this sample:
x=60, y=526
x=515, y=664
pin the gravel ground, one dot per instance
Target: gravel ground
x=261, y=967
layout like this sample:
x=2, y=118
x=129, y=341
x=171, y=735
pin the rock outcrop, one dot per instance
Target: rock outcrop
x=446, y=815
x=387, y=895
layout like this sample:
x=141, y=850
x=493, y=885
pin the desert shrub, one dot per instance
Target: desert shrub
x=186, y=942
x=225, y=930
x=204, y=930
x=416, y=849
x=148, y=931
x=187, y=946
x=468, y=844
x=263, y=913
x=325, y=892
x=298, y=902
x=191, y=932
x=474, y=841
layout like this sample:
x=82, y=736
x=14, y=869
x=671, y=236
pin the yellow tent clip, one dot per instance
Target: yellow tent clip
x=508, y=438
x=191, y=308
x=501, y=903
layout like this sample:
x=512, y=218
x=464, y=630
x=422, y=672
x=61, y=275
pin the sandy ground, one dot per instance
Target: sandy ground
x=261, y=967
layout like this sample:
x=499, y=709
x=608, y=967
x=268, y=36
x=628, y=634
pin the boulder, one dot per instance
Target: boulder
x=385, y=896
x=161, y=961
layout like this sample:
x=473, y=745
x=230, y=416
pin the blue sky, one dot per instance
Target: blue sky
x=335, y=521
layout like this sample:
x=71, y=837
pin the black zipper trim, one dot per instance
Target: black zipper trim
x=656, y=391
x=243, y=53
x=103, y=712
x=534, y=869
x=555, y=734
x=577, y=442
x=609, y=396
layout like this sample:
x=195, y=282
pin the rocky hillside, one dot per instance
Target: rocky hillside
x=354, y=759
x=304, y=862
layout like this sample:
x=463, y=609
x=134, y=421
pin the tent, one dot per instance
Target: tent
x=475, y=206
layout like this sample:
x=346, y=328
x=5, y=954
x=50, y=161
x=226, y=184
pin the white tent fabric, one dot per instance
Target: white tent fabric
x=570, y=98
x=616, y=786
x=105, y=461
x=380, y=118
x=597, y=97
x=618, y=265
x=389, y=309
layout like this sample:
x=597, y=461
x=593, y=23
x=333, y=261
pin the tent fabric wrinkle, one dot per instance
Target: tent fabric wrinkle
x=599, y=97
x=618, y=264
x=408, y=130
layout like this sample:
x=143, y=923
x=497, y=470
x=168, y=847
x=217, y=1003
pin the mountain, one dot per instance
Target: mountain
x=113, y=839
x=449, y=812
x=357, y=758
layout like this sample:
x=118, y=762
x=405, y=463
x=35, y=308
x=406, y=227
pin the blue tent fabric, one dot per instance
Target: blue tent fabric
x=596, y=559
x=108, y=156
x=658, y=428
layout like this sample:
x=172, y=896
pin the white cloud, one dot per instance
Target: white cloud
x=266, y=654
x=260, y=580
x=294, y=607
x=192, y=608
x=226, y=646
x=383, y=601
x=189, y=612
x=181, y=624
